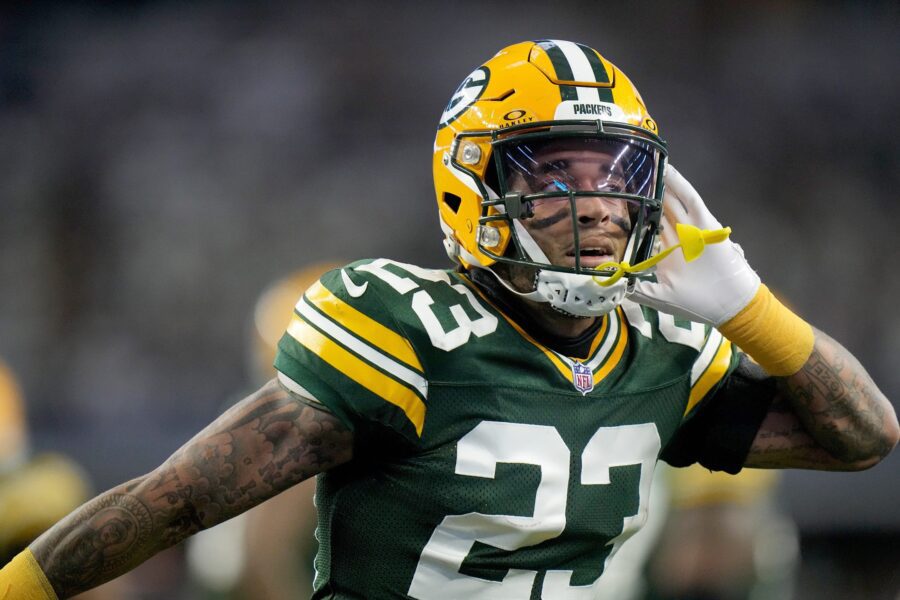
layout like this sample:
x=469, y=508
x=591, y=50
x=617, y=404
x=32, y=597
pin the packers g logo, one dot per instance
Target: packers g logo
x=468, y=92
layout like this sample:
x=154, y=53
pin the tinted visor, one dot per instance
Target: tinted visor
x=577, y=164
x=595, y=189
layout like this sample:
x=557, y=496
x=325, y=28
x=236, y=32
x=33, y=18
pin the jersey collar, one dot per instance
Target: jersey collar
x=608, y=339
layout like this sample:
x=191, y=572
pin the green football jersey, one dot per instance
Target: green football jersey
x=485, y=465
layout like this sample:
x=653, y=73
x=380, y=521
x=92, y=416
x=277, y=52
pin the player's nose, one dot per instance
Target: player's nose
x=593, y=209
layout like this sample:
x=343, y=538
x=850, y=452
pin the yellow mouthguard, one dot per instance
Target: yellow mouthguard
x=692, y=241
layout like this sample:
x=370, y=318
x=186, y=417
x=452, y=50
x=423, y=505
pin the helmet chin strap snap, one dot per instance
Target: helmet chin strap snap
x=692, y=241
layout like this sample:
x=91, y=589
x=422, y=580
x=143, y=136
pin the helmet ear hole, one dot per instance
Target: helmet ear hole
x=453, y=201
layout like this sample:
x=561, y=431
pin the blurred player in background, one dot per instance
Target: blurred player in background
x=266, y=553
x=36, y=490
x=724, y=538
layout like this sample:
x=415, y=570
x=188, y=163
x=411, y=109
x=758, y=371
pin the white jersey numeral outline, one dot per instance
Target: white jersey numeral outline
x=437, y=575
x=422, y=302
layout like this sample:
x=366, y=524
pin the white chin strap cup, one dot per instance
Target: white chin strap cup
x=574, y=295
x=577, y=295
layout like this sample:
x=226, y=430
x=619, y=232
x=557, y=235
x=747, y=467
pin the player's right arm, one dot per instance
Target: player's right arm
x=260, y=447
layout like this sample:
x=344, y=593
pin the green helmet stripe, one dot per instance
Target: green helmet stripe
x=600, y=75
x=562, y=68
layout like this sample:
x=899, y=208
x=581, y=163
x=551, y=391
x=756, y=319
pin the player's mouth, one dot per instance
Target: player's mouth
x=592, y=255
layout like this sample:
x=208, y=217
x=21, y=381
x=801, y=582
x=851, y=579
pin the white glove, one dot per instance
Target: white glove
x=711, y=289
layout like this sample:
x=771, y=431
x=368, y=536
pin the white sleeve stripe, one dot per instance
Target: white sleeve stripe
x=374, y=356
x=710, y=349
x=295, y=388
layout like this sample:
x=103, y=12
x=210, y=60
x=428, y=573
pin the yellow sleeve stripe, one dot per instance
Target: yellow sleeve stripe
x=360, y=348
x=362, y=326
x=710, y=368
x=360, y=371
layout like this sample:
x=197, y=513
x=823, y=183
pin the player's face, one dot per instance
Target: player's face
x=604, y=223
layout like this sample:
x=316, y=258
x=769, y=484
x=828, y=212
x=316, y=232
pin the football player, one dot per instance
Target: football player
x=491, y=431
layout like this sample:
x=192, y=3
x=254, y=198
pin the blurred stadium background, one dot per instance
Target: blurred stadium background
x=162, y=162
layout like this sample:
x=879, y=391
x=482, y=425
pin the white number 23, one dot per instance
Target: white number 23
x=437, y=575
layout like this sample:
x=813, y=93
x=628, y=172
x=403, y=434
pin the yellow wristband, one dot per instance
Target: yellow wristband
x=771, y=334
x=23, y=579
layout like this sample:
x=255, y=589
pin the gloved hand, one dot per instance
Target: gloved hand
x=711, y=289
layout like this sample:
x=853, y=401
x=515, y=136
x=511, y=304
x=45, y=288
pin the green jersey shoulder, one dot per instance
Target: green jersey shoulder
x=368, y=340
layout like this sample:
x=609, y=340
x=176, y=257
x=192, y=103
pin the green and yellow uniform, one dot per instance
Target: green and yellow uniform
x=486, y=464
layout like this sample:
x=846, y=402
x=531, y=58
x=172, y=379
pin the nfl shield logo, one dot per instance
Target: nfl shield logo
x=582, y=378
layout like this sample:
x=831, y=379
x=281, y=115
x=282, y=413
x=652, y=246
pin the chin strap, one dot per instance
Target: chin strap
x=692, y=241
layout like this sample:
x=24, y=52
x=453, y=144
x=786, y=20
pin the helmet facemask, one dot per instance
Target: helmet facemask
x=577, y=198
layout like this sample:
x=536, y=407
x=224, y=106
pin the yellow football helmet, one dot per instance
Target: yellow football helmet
x=529, y=101
x=13, y=430
x=272, y=314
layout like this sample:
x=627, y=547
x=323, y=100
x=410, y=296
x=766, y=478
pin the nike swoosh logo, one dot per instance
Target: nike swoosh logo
x=354, y=290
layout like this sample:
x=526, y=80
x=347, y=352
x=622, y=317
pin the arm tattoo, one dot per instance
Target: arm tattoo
x=260, y=447
x=783, y=442
x=839, y=404
x=829, y=415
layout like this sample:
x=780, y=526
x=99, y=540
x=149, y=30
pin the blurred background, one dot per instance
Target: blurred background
x=162, y=162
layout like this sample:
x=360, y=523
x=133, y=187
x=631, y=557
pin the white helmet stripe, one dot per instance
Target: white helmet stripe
x=581, y=70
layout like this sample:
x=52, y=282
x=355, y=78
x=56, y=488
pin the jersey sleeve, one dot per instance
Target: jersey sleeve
x=719, y=430
x=344, y=349
x=717, y=359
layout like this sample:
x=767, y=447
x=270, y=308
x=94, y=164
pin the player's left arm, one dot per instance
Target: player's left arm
x=828, y=415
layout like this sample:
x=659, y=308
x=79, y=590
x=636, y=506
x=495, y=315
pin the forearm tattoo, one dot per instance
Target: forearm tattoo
x=829, y=415
x=260, y=447
x=839, y=404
